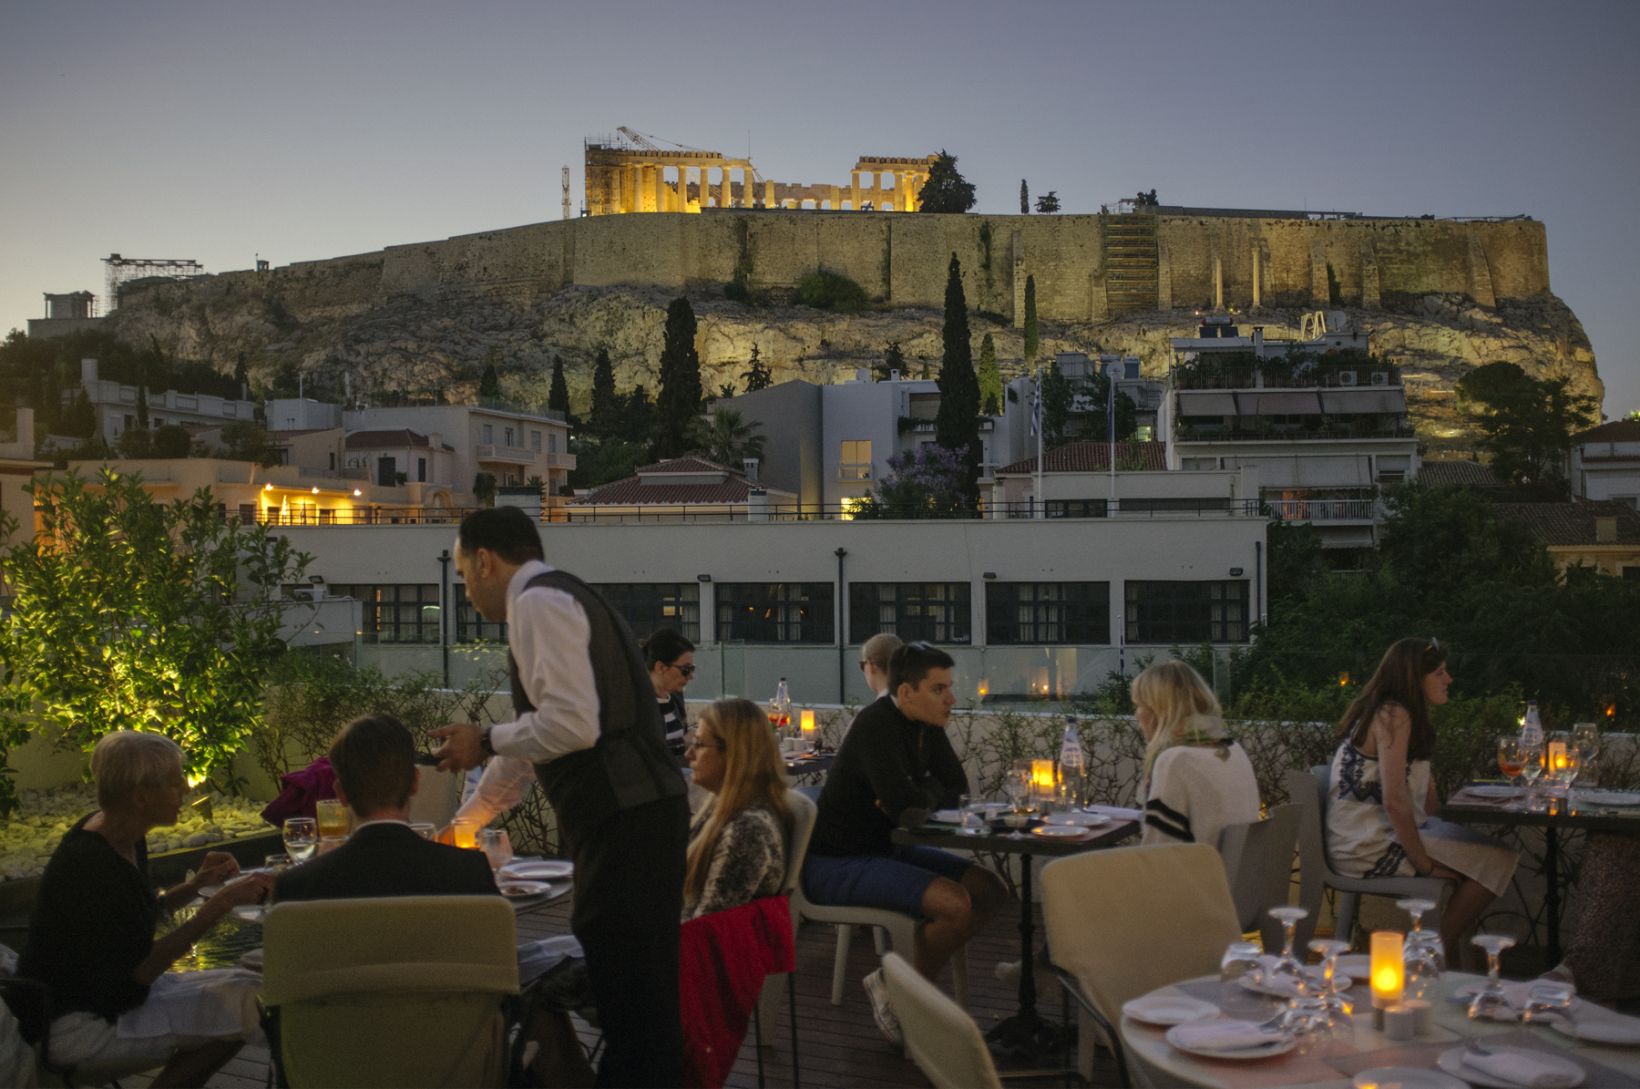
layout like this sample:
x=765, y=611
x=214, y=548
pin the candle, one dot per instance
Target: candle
x=1400, y=1022
x=805, y=721
x=464, y=833
x=1387, y=969
x=1042, y=776
x=1557, y=758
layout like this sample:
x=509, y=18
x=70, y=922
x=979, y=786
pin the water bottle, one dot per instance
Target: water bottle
x=780, y=709
x=1531, y=730
x=1071, y=766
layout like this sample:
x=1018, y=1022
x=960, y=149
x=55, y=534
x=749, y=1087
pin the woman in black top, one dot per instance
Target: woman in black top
x=91, y=936
x=671, y=661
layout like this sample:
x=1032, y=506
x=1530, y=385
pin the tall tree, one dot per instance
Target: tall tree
x=558, y=390
x=956, y=427
x=679, y=400
x=1024, y=198
x=1048, y=203
x=489, y=384
x=606, y=405
x=637, y=414
x=893, y=362
x=1526, y=423
x=757, y=374
x=990, y=378
x=946, y=190
x=1031, y=334
x=1056, y=406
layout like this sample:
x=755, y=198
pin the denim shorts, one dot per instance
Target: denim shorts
x=895, y=881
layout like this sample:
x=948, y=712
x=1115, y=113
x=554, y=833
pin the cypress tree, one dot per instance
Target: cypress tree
x=1031, y=336
x=956, y=427
x=558, y=391
x=679, y=400
x=990, y=378
x=606, y=405
x=1024, y=198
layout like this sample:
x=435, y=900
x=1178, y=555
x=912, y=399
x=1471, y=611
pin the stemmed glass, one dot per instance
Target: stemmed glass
x=1241, y=961
x=1018, y=786
x=1511, y=761
x=1287, y=964
x=1531, y=768
x=1340, y=1010
x=301, y=838
x=1489, y=1002
x=1423, y=955
x=1586, y=736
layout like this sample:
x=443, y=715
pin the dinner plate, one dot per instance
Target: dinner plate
x=1452, y=1062
x=1060, y=831
x=1169, y=1010
x=1493, y=790
x=250, y=913
x=537, y=869
x=1406, y=1077
x=1076, y=820
x=1278, y=1045
x=1608, y=797
x=205, y=892
x=522, y=890
x=1603, y=1027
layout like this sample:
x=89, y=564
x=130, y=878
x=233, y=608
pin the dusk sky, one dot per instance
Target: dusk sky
x=307, y=130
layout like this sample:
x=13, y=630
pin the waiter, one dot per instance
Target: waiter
x=587, y=728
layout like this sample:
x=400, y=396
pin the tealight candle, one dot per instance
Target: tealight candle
x=1557, y=758
x=805, y=722
x=1387, y=968
x=1042, y=776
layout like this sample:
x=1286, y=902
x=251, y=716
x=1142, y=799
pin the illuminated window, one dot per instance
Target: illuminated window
x=854, y=459
x=850, y=505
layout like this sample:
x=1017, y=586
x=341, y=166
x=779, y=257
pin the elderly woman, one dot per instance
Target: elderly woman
x=91, y=938
x=1196, y=778
x=737, y=842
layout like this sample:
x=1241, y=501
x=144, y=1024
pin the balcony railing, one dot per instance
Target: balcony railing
x=491, y=451
x=854, y=470
x=1197, y=433
x=1323, y=510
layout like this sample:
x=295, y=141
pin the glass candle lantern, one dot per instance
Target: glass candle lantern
x=1387, y=968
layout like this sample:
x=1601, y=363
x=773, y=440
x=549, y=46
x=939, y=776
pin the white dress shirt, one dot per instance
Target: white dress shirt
x=550, y=638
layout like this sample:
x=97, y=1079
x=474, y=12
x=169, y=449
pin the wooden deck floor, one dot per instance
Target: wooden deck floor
x=838, y=1045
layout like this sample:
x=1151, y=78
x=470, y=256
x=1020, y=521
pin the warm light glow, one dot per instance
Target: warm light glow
x=805, y=721
x=1388, y=970
x=1557, y=756
x=357, y=493
x=1042, y=774
x=465, y=833
x=1611, y=710
x=984, y=689
x=1343, y=680
x=316, y=489
x=848, y=506
x=268, y=487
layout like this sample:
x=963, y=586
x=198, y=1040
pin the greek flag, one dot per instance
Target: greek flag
x=1036, y=405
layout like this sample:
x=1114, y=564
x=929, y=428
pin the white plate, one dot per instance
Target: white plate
x=1059, y=831
x=1608, y=797
x=1168, y=1009
x=1452, y=1062
x=1492, y=790
x=1406, y=1077
x=252, y=960
x=522, y=890
x=1600, y=1028
x=1079, y=820
x=1278, y=1045
x=537, y=869
x=250, y=913
x=207, y=891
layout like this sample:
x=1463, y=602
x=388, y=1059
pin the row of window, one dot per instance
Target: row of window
x=1016, y=613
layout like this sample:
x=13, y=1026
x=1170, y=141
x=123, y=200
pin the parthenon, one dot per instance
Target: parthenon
x=631, y=173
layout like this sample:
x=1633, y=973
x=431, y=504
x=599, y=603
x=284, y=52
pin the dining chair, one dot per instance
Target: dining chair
x=939, y=1035
x=1258, y=858
x=410, y=990
x=1316, y=873
x=803, y=814
x=1122, y=923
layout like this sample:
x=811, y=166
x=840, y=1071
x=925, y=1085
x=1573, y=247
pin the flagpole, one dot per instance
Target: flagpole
x=1036, y=414
x=1110, y=433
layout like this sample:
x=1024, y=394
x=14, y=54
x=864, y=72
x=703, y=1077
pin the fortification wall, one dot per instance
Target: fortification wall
x=902, y=259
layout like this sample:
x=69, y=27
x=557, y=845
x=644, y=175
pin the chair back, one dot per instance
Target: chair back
x=409, y=990
x=803, y=815
x=1125, y=922
x=1309, y=790
x=939, y=1036
x=1258, y=858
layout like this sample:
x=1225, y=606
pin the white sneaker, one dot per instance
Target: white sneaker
x=887, y=1023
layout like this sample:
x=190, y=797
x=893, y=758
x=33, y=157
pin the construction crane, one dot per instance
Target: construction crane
x=642, y=142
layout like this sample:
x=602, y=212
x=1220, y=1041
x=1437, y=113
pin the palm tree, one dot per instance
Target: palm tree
x=724, y=437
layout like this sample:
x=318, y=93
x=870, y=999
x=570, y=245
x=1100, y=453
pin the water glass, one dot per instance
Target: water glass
x=1549, y=1000
x=496, y=846
x=1287, y=966
x=423, y=829
x=276, y=864
x=328, y=844
x=1241, y=961
x=1490, y=1003
x=332, y=815
x=1586, y=736
x=973, y=815
x=301, y=838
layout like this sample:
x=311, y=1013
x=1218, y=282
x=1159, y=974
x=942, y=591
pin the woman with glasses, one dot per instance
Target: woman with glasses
x=1381, y=794
x=737, y=842
x=671, y=661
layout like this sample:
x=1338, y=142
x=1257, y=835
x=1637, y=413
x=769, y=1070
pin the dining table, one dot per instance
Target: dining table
x=1579, y=808
x=1337, y=1062
x=1025, y=1032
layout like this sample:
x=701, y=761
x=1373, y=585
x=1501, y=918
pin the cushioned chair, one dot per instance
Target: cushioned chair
x=1122, y=923
x=1258, y=858
x=1309, y=790
x=413, y=990
x=803, y=813
x=940, y=1037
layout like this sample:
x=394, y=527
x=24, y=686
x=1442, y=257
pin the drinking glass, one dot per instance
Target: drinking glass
x=1018, y=786
x=973, y=815
x=464, y=833
x=423, y=829
x=1586, y=736
x=1423, y=954
x=1549, y=1000
x=1340, y=1010
x=332, y=816
x=1530, y=770
x=1287, y=965
x=328, y=844
x=496, y=846
x=1489, y=1002
x=301, y=838
x=1241, y=961
x=276, y=864
x=1511, y=758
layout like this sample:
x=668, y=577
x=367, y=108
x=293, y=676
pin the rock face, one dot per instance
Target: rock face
x=437, y=345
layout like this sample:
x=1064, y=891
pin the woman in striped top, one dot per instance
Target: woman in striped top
x=1196, y=780
x=671, y=661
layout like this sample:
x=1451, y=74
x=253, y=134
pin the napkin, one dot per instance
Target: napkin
x=1222, y=1035
x=1519, y=1067
x=1114, y=812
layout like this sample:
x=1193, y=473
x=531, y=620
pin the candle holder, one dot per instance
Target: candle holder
x=1387, y=971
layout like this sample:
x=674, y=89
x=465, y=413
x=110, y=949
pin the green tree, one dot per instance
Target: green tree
x=1526, y=423
x=757, y=374
x=81, y=418
x=1056, y=406
x=489, y=384
x=244, y=440
x=611, y=459
x=726, y=391
x=484, y=486
x=558, y=390
x=142, y=406
x=990, y=378
x=637, y=414
x=134, y=615
x=956, y=427
x=605, y=414
x=727, y=438
x=893, y=362
x=1032, y=338
x=945, y=190
x=135, y=442
x=1048, y=203
x=679, y=401
x=1024, y=198
x=927, y=482
x=171, y=441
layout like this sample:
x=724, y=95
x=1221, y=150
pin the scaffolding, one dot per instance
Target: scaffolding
x=122, y=270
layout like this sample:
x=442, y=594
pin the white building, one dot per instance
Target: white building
x=17, y=469
x=1076, y=481
x=116, y=406
x=1605, y=463
x=1087, y=412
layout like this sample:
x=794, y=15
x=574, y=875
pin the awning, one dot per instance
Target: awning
x=1207, y=403
x=1361, y=402
x=1290, y=403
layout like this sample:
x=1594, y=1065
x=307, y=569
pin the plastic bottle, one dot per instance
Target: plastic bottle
x=1071, y=760
x=1531, y=730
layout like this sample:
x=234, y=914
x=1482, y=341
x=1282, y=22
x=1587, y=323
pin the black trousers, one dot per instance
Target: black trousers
x=628, y=906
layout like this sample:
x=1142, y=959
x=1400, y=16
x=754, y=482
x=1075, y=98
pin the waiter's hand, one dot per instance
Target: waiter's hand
x=460, y=750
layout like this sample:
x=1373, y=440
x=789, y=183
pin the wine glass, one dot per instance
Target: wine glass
x=1287, y=965
x=1423, y=953
x=301, y=838
x=1490, y=1002
x=1531, y=769
x=1511, y=758
x=1586, y=736
x=1549, y=1000
x=1241, y=961
x=1017, y=784
x=497, y=847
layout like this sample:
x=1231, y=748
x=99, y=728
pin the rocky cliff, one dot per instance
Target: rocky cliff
x=436, y=345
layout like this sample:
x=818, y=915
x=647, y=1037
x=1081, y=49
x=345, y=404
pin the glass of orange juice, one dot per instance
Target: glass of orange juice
x=332, y=816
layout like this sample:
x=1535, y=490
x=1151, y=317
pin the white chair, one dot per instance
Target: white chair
x=1258, y=858
x=940, y=1037
x=1309, y=790
x=803, y=813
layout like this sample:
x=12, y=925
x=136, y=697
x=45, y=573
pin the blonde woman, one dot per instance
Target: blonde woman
x=1196, y=779
x=737, y=842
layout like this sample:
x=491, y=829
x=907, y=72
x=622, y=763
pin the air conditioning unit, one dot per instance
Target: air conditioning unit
x=1346, y=378
x=1380, y=378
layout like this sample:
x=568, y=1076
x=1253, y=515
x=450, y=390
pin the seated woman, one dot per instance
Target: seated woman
x=671, y=661
x=1196, y=778
x=1380, y=793
x=737, y=842
x=91, y=937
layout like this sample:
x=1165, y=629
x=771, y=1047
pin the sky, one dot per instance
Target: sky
x=292, y=131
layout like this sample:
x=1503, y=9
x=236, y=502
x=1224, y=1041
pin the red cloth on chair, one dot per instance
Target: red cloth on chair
x=722, y=959
x=303, y=788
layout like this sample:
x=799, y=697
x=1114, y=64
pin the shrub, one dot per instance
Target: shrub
x=826, y=290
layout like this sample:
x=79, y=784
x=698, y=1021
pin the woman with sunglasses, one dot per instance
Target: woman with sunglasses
x=737, y=842
x=1380, y=794
x=671, y=661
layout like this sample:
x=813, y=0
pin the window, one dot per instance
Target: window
x=421, y=470
x=535, y=441
x=333, y=461
x=506, y=436
x=647, y=606
x=780, y=612
x=552, y=443
x=489, y=433
x=247, y=513
x=854, y=459
x=1187, y=612
x=1047, y=613
x=470, y=627
x=936, y=612
x=1076, y=508
x=398, y=613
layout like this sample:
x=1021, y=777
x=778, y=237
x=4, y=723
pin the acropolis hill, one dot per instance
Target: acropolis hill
x=1439, y=296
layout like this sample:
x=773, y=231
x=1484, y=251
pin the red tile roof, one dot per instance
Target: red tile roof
x=375, y=440
x=1457, y=473
x=1615, y=431
x=1094, y=457
x=687, y=464
x=645, y=489
x=1572, y=524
